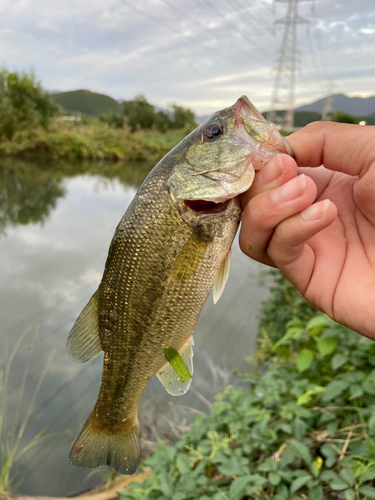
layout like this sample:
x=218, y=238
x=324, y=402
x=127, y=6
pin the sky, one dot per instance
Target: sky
x=202, y=54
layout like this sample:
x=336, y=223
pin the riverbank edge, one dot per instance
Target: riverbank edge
x=91, y=142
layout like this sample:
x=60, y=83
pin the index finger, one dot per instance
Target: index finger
x=340, y=147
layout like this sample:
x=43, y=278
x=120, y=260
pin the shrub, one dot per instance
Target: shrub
x=23, y=103
x=300, y=428
x=284, y=303
x=343, y=117
x=112, y=119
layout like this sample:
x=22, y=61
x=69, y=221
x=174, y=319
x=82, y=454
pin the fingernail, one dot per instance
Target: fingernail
x=291, y=190
x=316, y=211
x=271, y=171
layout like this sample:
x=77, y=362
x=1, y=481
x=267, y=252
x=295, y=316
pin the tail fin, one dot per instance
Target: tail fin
x=98, y=446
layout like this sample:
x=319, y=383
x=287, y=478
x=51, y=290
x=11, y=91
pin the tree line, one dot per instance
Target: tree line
x=25, y=105
x=138, y=113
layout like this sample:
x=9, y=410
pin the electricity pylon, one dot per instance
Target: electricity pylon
x=283, y=92
x=327, y=110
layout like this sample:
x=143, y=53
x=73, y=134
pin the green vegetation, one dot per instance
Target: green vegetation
x=302, y=118
x=23, y=104
x=92, y=141
x=139, y=114
x=301, y=425
x=87, y=102
x=283, y=304
x=29, y=124
x=342, y=117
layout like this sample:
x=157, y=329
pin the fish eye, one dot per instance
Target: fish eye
x=213, y=130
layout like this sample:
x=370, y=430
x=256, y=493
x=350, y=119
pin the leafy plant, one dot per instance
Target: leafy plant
x=283, y=304
x=302, y=427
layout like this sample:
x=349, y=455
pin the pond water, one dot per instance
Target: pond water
x=56, y=223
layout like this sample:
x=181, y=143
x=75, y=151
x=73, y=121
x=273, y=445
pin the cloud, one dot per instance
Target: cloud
x=367, y=31
x=46, y=24
x=6, y=34
x=183, y=53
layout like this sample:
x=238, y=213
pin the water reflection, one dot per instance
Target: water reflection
x=59, y=220
x=29, y=190
x=27, y=194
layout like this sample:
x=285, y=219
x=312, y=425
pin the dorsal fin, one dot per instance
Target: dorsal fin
x=169, y=378
x=221, y=278
x=83, y=342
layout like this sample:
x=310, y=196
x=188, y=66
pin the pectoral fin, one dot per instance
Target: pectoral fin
x=84, y=342
x=221, y=278
x=169, y=378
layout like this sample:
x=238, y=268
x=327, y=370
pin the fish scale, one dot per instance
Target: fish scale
x=168, y=251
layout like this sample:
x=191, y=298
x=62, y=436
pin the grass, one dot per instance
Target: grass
x=13, y=424
x=92, y=140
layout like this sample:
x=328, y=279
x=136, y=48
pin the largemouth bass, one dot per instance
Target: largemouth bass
x=169, y=250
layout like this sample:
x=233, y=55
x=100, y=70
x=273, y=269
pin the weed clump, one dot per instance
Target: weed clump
x=301, y=426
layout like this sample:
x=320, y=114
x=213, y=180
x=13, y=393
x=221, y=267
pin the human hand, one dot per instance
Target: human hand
x=318, y=227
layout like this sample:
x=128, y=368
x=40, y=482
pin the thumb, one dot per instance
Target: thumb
x=338, y=146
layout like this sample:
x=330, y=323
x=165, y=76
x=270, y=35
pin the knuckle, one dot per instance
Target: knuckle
x=260, y=215
x=280, y=250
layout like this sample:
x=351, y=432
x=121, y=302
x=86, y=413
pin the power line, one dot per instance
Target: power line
x=252, y=20
x=218, y=13
x=169, y=28
x=212, y=36
x=153, y=18
x=316, y=59
x=177, y=31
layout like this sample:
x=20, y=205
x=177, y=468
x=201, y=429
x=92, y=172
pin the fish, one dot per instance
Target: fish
x=170, y=249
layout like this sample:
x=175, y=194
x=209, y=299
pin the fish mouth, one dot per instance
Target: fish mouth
x=257, y=127
x=206, y=207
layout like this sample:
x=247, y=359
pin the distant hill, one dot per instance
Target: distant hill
x=355, y=106
x=301, y=118
x=87, y=102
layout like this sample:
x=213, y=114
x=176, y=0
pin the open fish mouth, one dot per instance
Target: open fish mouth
x=206, y=207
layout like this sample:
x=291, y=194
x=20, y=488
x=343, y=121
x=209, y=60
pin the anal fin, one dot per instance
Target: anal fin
x=169, y=378
x=221, y=278
x=83, y=342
